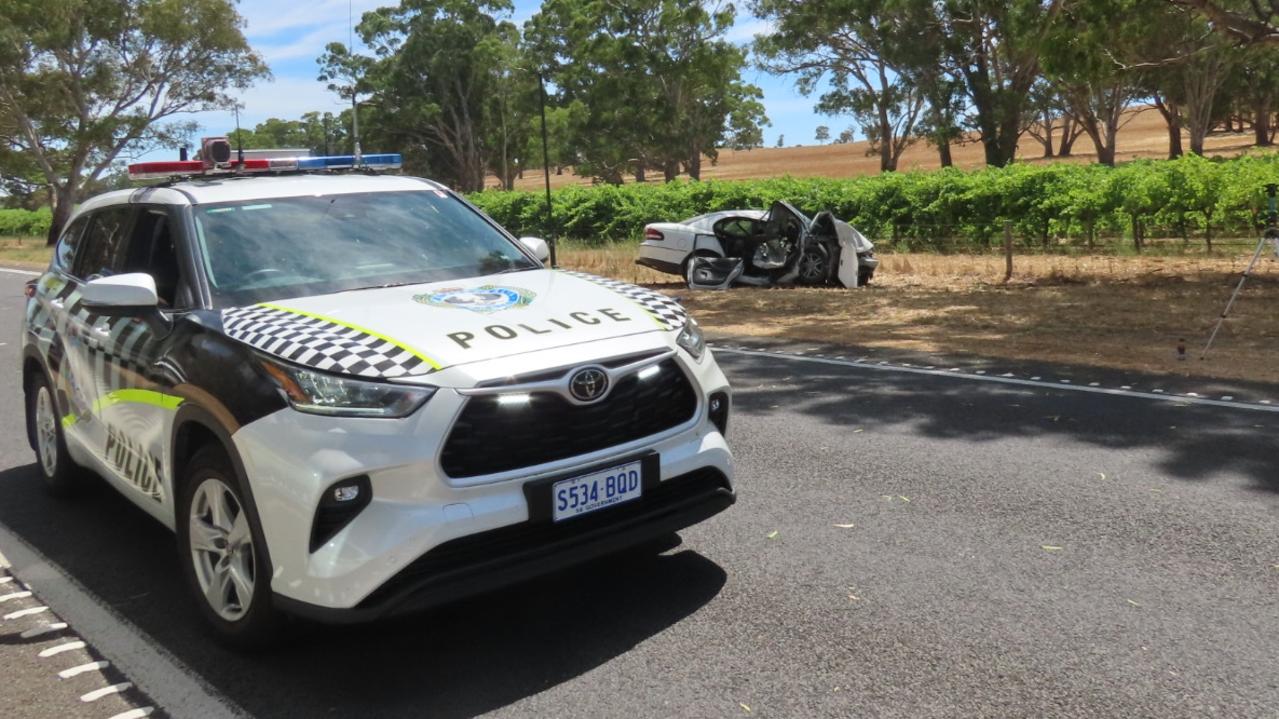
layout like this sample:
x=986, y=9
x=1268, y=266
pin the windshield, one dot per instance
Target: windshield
x=277, y=248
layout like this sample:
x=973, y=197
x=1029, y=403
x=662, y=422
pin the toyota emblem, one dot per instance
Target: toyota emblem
x=588, y=384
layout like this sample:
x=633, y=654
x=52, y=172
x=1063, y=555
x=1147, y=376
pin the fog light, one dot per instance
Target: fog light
x=510, y=400
x=339, y=505
x=718, y=411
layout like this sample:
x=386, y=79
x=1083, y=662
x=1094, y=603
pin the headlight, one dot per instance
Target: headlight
x=320, y=393
x=690, y=338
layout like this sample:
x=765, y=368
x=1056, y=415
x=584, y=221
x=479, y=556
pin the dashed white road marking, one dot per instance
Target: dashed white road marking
x=67, y=647
x=5, y=580
x=135, y=713
x=97, y=694
x=15, y=595
x=77, y=671
x=27, y=273
x=166, y=679
x=41, y=631
x=25, y=612
x=1061, y=386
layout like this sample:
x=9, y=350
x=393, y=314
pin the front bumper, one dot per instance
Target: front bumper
x=367, y=570
x=500, y=557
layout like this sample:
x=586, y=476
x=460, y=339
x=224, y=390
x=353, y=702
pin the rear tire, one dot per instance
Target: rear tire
x=61, y=475
x=222, y=550
x=864, y=277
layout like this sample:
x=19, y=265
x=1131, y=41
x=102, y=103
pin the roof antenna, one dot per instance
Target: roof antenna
x=355, y=104
x=239, y=138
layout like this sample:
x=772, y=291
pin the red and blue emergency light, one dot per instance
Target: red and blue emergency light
x=212, y=167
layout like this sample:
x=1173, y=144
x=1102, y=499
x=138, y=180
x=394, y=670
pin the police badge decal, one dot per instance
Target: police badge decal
x=484, y=299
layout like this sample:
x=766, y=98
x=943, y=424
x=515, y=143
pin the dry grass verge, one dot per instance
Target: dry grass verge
x=1116, y=312
x=26, y=252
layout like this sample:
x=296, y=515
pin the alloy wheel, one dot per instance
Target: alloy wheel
x=222, y=549
x=46, y=431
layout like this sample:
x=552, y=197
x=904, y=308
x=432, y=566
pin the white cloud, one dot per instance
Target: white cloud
x=271, y=17
x=285, y=98
x=746, y=30
x=310, y=45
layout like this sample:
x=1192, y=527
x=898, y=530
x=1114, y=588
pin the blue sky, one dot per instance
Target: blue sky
x=290, y=34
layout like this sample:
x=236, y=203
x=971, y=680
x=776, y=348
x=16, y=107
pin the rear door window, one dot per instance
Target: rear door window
x=103, y=243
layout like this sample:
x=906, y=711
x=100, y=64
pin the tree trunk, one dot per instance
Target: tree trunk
x=943, y=154
x=1070, y=133
x=1197, y=135
x=1172, y=118
x=694, y=165
x=640, y=175
x=63, y=204
x=1261, y=123
x=670, y=170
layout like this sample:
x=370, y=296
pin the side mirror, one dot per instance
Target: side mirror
x=538, y=247
x=122, y=293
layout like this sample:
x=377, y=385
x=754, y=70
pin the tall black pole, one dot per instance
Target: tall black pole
x=546, y=167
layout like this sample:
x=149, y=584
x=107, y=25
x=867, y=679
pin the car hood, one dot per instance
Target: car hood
x=414, y=330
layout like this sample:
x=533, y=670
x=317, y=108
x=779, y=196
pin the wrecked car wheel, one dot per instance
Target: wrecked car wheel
x=814, y=265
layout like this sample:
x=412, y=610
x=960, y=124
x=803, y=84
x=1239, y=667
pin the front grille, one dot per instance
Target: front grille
x=522, y=542
x=490, y=437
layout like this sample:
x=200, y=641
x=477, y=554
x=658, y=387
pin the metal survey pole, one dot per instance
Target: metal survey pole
x=1271, y=233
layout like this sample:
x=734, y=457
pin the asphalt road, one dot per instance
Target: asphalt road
x=1015, y=551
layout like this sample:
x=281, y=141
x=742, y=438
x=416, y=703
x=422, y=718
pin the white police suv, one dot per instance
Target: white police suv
x=353, y=394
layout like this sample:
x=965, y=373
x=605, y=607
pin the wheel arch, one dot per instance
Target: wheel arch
x=32, y=367
x=194, y=428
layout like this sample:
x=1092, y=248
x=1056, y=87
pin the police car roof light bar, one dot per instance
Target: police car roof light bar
x=192, y=168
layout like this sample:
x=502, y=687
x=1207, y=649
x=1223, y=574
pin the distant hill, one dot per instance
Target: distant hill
x=1145, y=135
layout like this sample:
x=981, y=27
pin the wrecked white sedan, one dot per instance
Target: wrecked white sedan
x=779, y=246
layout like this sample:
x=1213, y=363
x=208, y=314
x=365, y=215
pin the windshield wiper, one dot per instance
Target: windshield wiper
x=379, y=287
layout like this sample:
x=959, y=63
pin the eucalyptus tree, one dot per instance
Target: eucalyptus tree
x=84, y=83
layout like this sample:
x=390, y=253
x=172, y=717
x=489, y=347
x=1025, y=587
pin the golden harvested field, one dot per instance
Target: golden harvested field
x=1145, y=135
x=1114, y=312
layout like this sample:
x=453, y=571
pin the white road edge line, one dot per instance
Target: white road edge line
x=25, y=613
x=41, y=631
x=97, y=694
x=27, y=273
x=1265, y=406
x=77, y=671
x=165, y=678
x=135, y=713
x=53, y=651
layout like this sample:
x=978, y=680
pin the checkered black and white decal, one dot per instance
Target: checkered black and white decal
x=668, y=313
x=319, y=343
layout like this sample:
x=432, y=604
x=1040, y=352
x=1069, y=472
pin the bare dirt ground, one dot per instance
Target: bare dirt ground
x=1115, y=312
x=1144, y=136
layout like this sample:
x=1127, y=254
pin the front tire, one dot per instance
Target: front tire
x=814, y=265
x=222, y=552
x=61, y=475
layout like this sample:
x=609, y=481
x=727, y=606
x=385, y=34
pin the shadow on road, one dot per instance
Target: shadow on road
x=459, y=660
x=1193, y=442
